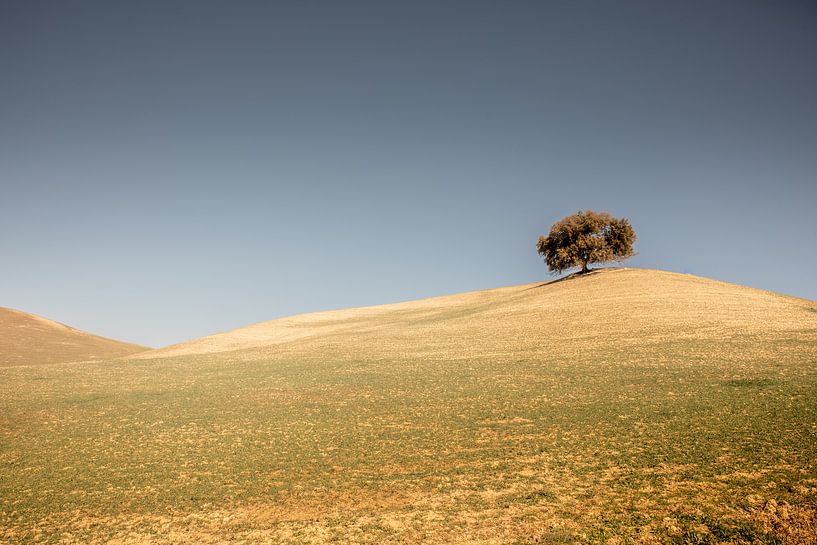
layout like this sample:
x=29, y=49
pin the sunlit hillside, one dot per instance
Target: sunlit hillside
x=621, y=406
x=26, y=339
x=621, y=308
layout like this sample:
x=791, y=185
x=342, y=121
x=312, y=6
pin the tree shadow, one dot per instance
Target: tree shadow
x=572, y=277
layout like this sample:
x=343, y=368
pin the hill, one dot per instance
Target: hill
x=27, y=339
x=612, y=307
x=623, y=406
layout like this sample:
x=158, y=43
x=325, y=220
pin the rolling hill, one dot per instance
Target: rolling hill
x=27, y=339
x=609, y=307
x=622, y=406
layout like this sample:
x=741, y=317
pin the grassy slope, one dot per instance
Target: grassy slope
x=624, y=405
x=26, y=339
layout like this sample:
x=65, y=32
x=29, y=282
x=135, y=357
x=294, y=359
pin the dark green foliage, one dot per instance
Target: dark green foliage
x=584, y=238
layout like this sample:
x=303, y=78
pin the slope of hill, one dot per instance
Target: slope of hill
x=623, y=406
x=26, y=339
x=609, y=306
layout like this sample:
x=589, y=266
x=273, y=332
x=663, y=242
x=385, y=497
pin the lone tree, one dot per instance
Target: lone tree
x=584, y=238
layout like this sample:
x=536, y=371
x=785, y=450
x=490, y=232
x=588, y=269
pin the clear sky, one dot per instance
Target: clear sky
x=172, y=169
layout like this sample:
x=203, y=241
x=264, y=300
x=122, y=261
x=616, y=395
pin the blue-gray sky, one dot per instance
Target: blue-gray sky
x=173, y=169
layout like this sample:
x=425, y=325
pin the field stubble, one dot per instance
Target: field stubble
x=507, y=416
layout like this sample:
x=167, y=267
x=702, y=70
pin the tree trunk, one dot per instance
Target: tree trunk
x=584, y=267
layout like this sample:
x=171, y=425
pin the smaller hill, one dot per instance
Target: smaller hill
x=27, y=339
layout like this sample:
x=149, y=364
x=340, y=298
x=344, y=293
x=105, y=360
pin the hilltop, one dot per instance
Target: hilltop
x=27, y=339
x=610, y=307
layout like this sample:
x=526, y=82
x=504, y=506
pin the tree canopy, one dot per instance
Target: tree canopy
x=586, y=237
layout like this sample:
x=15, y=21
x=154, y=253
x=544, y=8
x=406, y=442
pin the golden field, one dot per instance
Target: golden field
x=622, y=406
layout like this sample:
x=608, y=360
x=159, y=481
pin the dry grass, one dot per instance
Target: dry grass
x=26, y=339
x=611, y=307
x=626, y=406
